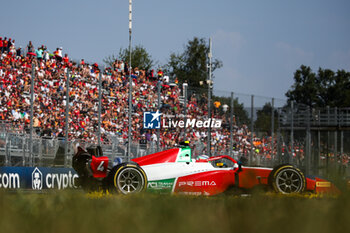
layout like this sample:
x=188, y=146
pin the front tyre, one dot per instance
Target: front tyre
x=129, y=178
x=287, y=179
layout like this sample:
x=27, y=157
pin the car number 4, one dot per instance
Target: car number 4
x=101, y=167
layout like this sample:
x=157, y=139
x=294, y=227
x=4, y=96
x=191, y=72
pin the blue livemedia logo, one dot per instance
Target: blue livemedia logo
x=151, y=120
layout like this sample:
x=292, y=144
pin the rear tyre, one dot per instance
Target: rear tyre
x=287, y=179
x=128, y=178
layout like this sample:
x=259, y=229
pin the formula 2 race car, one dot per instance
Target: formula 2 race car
x=174, y=171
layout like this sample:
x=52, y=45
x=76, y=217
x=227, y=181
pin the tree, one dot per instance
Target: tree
x=109, y=60
x=139, y=58
x=335, y=91
x=304, y=89
x=263, y=121
x=326, y=88
x=240, y=113
x=191, y=65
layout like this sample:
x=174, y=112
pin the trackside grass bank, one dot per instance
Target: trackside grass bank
x=78, y=212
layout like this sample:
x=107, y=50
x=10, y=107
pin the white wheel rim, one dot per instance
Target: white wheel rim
x=289, y=181
x=130, y=180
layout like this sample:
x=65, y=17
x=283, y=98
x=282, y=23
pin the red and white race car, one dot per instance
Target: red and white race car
x=174, y=171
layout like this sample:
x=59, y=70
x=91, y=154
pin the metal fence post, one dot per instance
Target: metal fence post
x=24, y=145
x=341, y=123
x=185, y=110
x=318, y=143
x=336, y=135
x=7, y=155
x=130, y=84
x=231, y=125
x=328, y=141
x=67, y=121
x=99, y=106
x=209, y=116
x=272, y=126
x=40, y=148
x=279, y=151
x=341, y=145
x=158, y=107
x=252, y=130
x=307, y=156
x=291, y=131
x=31, y=157
x=209, y=81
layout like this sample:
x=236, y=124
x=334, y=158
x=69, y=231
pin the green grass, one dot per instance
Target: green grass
x=75, y=211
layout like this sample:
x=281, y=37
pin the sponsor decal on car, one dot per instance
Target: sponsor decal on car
x=323, y=184
x=161, y=185
x=195, y=193
x=197, y=183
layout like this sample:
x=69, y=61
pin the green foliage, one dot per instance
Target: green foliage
x=326, y=88
x=191, y=65
x=240, y=113
x=76, y=212
x=139, y=58
x=263, y=121
x=109, y=60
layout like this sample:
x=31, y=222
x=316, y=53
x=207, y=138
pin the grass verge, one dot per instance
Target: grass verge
x=76, y=211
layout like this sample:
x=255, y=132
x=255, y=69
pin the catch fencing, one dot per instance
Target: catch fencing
x=316, y=140
x=257, y=130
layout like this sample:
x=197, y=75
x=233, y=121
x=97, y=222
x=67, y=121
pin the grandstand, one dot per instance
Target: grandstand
x=50, y=89
x=50, y=85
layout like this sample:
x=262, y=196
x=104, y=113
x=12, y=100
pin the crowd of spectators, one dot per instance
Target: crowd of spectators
x=50, y=98
x=49, y=115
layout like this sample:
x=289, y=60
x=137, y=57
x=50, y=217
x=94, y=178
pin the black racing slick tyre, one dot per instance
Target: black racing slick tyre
x=287, y=179
x=128, y=178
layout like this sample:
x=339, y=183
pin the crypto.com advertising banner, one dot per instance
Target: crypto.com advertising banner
x=37, y=178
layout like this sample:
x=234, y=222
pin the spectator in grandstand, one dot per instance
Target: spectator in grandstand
x=39, y=54
x=50, y=100
x=19, y=52
x=160, y=74
x=9, y=44
x=1, y=45
x=4, y=45
x=30, y=49
x=46, y=54
x=58, y=54
x=65, y=59
x=143, y=145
